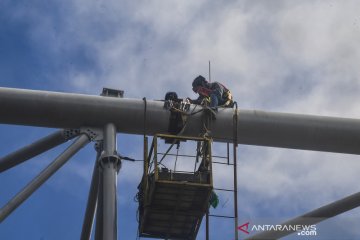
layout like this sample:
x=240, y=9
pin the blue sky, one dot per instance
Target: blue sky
x=286, y=56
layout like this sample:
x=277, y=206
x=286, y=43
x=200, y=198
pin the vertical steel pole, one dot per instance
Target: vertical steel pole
x=110, y=165
x=228, y=153
x=146, y=163
x=235, y=120
x=209, y=71
x=92, y=198
x=43, y=176
x=235, y=196
x=209, y=153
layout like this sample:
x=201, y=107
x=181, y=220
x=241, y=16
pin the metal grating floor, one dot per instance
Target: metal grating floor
x=175, y=208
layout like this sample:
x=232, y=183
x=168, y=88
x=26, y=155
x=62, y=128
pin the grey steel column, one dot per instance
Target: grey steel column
x=34, y=149
x=92, y=198
x=315, y=216
x=110, y=165
x=43, y=176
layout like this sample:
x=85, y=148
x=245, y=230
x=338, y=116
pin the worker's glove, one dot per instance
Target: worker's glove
x=205, y=101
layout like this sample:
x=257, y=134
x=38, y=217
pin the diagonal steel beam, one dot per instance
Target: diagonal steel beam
x=313, y=217
x=80, y=142
x=36, y=148
x=92, y=201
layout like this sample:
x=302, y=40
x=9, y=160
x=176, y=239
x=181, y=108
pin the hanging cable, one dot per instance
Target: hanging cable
x=235, y=143
x=145, y=120
x=167, y=151
x=177, y=154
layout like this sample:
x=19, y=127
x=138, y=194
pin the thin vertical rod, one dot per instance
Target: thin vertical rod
x=43, y=176
x=92, y=200
x=235, y=120
x=156, y=170
x=228, y=153
x=146, y=163
x=207, y=225
x=209, y=71
x=32, y=150
x=110, y=164
x=145, y=142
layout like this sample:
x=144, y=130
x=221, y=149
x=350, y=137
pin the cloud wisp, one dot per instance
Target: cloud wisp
x=283, y=56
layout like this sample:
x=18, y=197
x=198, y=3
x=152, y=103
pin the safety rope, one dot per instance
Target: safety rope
x=145, y=116
x=138, y=197
x=182, y=129
x=177, y=154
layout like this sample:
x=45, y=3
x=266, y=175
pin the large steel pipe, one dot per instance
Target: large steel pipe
x=53, y=109
x=64, y=110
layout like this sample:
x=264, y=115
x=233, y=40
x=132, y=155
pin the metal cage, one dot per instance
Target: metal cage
x=173, y=203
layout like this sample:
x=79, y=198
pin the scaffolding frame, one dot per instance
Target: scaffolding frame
x=154, y=150
x=233, y=190
x=151, y=171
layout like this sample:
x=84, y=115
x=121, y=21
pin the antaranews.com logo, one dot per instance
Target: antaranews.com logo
x=301, y=230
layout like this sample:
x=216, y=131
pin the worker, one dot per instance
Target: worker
x=216, y=93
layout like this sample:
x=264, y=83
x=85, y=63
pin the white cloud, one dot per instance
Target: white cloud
x=290, y=56
x=167, y=43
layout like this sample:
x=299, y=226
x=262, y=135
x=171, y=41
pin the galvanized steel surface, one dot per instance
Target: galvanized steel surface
x=65, y=110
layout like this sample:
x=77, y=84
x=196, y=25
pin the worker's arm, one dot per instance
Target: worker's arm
x=196, y=101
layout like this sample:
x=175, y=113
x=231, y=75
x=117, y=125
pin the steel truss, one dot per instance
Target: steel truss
x=102, y=195
x=81, y=113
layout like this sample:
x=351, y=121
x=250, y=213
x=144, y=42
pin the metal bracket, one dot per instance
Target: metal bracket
x=168, y=104
x=185, y=105
x=182, y=105
x=98, y=146
x=70, y=133
x=109, y=92
x=178, y=115
x=114, y=159
x=94, y=134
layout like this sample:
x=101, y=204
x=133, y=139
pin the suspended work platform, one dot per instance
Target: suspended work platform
x=172, y=203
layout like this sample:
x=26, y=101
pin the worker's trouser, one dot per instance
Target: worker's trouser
x=216, y=100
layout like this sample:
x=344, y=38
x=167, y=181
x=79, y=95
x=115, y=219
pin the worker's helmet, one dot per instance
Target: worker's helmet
x=171, y=96
x=199, y=81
